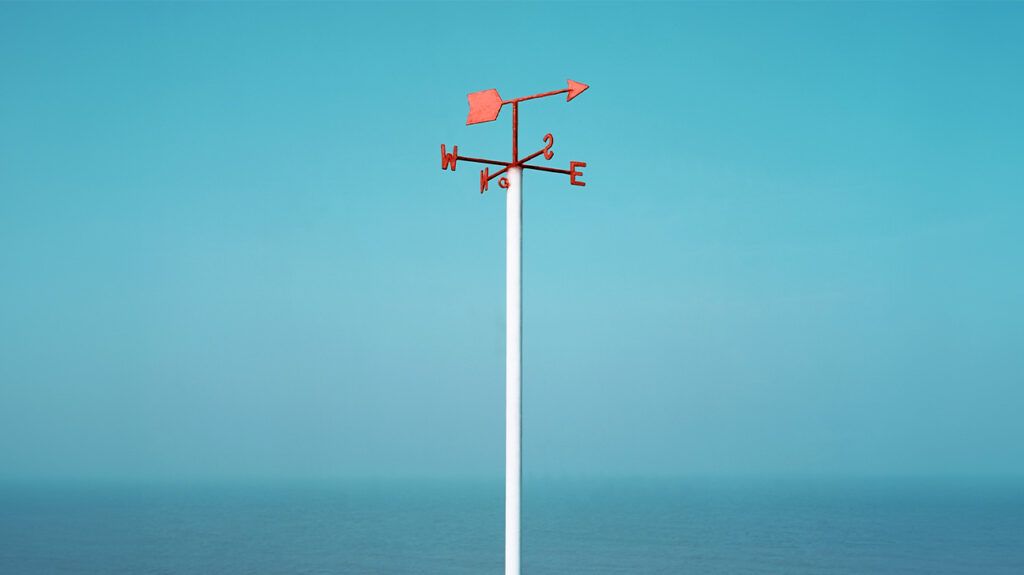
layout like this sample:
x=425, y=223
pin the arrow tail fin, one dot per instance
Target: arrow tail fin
x=484, y=106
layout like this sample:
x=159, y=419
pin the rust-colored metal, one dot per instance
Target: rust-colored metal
x=484, y=106
x=574, y=173
x=449, y=159
x=486, y=176
x=515, y=132
x=546, y=150
x=484, y=179
x=574, y=89
x=483, y=161
x=498, y=173
x=546, y=169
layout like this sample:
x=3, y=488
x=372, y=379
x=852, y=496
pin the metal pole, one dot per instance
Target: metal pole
x=513, y=367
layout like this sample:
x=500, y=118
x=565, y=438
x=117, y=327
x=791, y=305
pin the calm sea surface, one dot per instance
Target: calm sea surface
x=685, y=526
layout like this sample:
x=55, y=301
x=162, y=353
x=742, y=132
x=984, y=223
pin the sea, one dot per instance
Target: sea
x=699, y=526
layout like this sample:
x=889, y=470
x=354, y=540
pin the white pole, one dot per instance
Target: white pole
x=513, y=367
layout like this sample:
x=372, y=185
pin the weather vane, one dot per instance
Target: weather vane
x=484, y=106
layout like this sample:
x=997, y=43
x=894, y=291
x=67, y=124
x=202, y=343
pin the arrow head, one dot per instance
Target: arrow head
x=483, y=106
x=575, y=89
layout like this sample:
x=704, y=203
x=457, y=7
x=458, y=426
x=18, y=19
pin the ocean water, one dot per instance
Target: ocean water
x=616, y=526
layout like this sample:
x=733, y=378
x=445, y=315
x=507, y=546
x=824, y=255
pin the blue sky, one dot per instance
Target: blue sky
x=228, y=249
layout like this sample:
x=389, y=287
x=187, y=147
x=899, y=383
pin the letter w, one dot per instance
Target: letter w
x=447, y=158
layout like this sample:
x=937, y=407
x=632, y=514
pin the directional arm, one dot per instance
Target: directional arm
x=573, y=172
x=484, y=161
x=574, y=89
x=451, y=159
x=546, y=150
x=485, y=105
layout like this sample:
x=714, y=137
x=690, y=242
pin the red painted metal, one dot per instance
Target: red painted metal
x=546, y=150
x=545, y=169
x=574, y=173
x=484, y=178
x=483, y=161
x=449, y=159
x=484, y=106
x=498, y=173
x=515, y=132
x=575, y=89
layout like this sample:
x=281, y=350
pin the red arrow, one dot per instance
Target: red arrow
x=485, y=105
x=575, y=89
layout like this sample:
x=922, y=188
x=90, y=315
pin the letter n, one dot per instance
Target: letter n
x=485, y=175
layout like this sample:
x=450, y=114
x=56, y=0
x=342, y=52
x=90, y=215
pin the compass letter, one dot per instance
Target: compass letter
x=548, y=154
x=449, y=159
x=485, y=175
x=574, y=173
